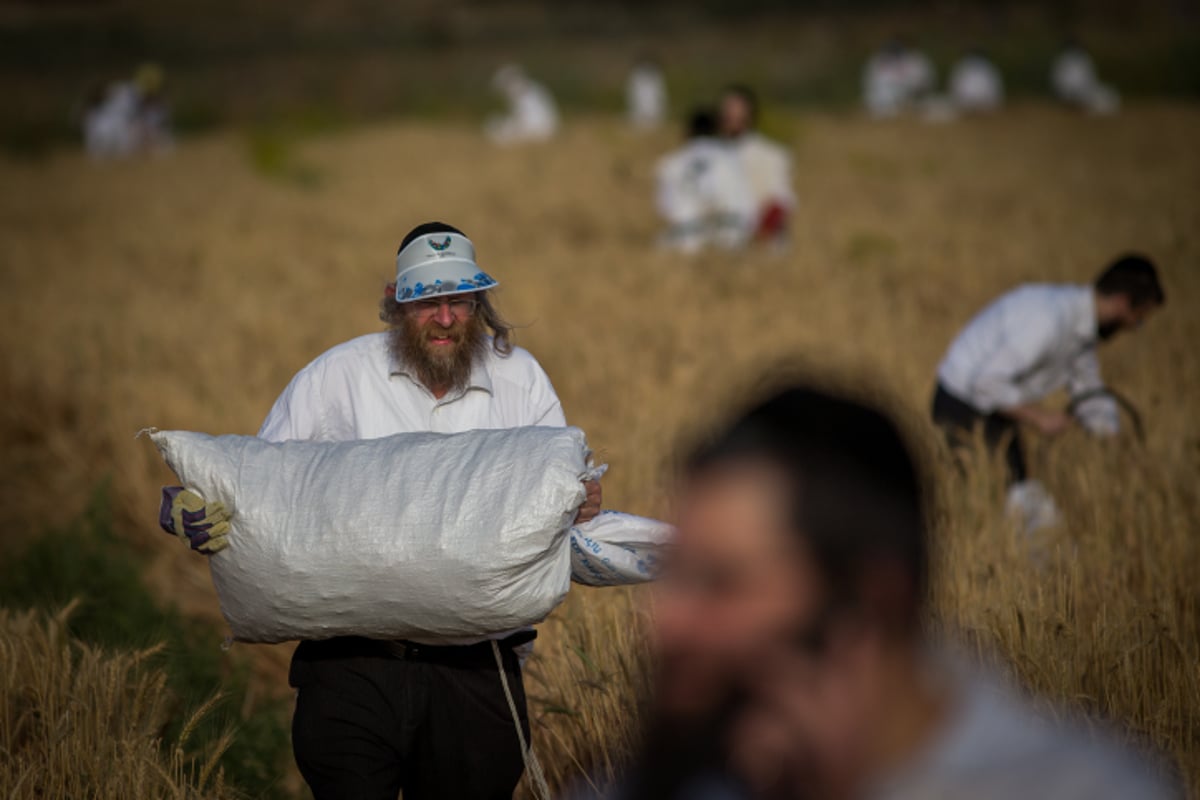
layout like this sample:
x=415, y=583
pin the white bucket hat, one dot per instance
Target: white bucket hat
x=436, y=265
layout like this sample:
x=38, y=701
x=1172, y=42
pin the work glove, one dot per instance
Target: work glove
x=204, y=526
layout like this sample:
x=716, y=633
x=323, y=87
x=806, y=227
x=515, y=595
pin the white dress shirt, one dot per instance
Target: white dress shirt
x=705, y=195
x=1026, y=345
x=646, y=97
x=356, y=391
x=532, y=115
x=995, y=746
x=768, y=167
x=976, y=84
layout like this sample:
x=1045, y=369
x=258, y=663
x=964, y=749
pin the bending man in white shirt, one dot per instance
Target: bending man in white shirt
x=532, y=114
x=374, y=718
x=1026, y=345
x=896, y=78
x=1075, y=82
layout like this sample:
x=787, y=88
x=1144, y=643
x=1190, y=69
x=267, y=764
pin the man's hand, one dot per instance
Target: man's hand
x=1052, y=423
x=591, y=506
x=204, y=526
x=1048, y=421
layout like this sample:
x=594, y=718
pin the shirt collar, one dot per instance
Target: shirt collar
x=480, y=378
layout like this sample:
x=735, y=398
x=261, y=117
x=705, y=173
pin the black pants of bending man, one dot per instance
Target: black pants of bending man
x=377, y=718
x=959, y=419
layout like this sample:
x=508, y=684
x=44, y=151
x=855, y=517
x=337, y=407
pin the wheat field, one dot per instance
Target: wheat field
x=184, y=292
x=76, y=721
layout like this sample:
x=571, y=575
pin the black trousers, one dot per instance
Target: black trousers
x=373, y=719
x=959, y=419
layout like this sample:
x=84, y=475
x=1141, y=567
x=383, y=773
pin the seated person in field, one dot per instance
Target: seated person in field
x=767, y=164
x=532, y=115
x=1028, y=344
x=791, y=629
x=646, y=94
x=703, y=191
x=976, y=84
x=109, y=122
x=128, y=117
x=1074, y=81
x=896, y=79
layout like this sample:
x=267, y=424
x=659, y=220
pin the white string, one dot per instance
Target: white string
x=532, y=766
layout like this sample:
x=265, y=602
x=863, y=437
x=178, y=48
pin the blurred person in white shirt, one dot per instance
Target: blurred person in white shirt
x=128, y=117
x=703, y=191
x=896, y=78
x=1074, y=80
x=767, y=164
x=532, y=114
x=1028, y=344
x=791, y=639
x=110, y=122
x=976, y=84
x=646, y=94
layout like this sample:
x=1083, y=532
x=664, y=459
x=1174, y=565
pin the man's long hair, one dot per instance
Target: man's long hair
x=392, y=313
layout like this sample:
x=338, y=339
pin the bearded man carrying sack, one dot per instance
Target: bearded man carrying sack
x=429, y=718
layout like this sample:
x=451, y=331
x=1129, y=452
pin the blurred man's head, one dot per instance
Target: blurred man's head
x=439, y=310
x=510, y=80
x=647, y=61
x=738, y=111
x=799, y=525
x=1127, y=293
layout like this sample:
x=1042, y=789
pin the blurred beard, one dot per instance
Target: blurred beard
x=685, y=752
x=439, y=367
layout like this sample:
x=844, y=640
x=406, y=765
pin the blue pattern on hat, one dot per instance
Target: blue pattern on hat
x=480, y=282
x=447, y=266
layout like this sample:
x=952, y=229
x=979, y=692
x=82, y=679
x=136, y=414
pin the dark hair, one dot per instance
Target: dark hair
x=424, y=229
x=747, y=95
x=702, y=122
x=1135, y=277
x=856, y=495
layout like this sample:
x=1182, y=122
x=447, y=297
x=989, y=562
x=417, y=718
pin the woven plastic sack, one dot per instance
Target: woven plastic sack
x=616, y=548
x=417, y=535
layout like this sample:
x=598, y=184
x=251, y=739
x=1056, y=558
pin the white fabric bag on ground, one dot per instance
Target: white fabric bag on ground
x=416, y=535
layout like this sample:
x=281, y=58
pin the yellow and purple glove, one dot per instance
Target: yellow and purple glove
x=204, y=526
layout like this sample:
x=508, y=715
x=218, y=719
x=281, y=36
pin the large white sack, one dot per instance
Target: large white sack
x=411, y=536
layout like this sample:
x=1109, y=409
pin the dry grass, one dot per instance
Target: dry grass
x=81, y=723
x=185, y=293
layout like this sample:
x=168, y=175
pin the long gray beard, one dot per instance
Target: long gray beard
x=408, y=347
